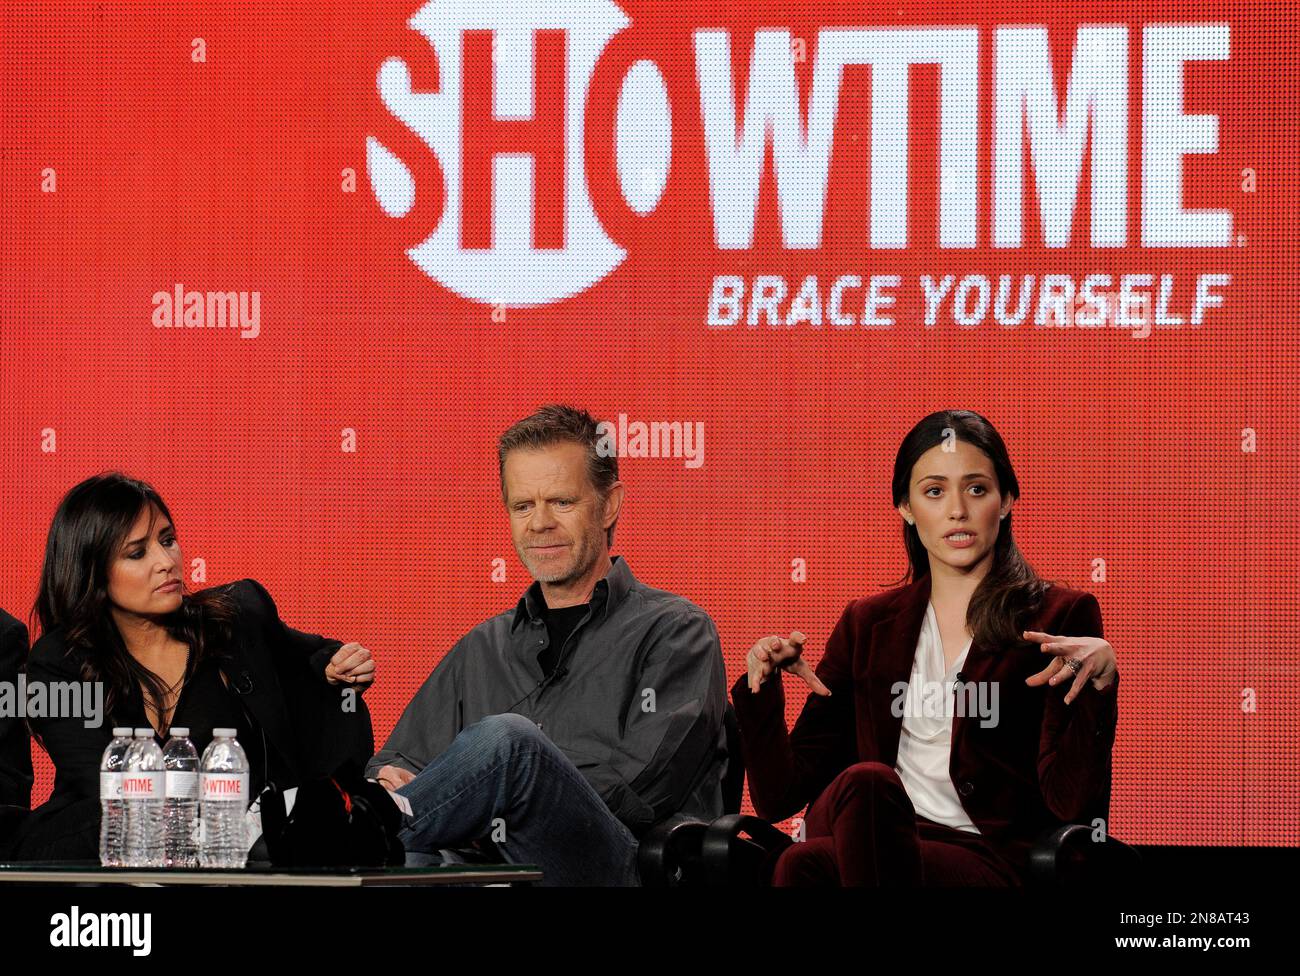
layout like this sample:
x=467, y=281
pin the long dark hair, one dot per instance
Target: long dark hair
x=91, y=524
x=1011, y=592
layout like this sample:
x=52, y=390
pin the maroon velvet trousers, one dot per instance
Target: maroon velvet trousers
x=863, y=830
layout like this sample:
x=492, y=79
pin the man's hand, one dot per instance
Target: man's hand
x=393, y=777
x=785, y=653
x=350, y=665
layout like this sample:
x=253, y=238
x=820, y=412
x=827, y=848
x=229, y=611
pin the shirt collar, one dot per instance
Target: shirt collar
x=608, y=593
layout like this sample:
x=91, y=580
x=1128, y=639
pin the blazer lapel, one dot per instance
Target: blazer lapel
x=893, y=649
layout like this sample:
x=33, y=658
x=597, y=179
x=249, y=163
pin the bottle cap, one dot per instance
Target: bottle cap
x=120, y=731
x=223, y=733
x=180, y=731
x=144, y=733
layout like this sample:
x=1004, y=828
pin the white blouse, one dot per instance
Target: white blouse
x=925, y=744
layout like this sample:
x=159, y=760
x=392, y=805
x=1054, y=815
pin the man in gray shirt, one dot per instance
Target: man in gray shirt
x=565, y=727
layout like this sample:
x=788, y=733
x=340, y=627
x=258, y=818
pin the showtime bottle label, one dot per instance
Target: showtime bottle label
x=225, y=786
x=142, y=785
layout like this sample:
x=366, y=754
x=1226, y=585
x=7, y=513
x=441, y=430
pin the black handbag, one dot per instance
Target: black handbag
x=341, y=821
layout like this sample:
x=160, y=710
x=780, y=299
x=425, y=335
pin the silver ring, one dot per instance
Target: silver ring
x=1074, y=665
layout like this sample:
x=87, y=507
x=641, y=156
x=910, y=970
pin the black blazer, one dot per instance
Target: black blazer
x=278, y=672
x=15, y=744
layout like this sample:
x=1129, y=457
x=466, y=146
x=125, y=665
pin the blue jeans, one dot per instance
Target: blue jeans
x=503, y=779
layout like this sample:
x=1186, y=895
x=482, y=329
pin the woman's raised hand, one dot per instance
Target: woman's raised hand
x=785, y=653
x=1089, y=659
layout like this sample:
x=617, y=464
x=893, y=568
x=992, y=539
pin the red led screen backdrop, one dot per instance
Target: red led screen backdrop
x=299, y=264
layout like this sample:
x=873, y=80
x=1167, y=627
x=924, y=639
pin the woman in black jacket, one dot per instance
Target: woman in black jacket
x=113, y=609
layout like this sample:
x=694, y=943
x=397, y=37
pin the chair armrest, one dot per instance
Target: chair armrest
x=1068, y=855
x=740, y=851
x=668, y=854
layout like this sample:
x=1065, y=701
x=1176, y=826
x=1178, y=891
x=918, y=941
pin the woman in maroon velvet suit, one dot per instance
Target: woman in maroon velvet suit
x=935, y=747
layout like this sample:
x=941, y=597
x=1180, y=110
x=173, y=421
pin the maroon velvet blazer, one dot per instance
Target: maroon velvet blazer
x=1043, y=764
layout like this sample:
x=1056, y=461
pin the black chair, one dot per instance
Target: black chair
x=741, y=851
x=669, y=854
x=738, y=850
x=1067, y=856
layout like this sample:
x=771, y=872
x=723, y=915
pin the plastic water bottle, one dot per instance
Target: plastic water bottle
x=112, y=816
x=180, y=800
x=142, y=795
x=223, y=792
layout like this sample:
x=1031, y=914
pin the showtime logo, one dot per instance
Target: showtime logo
x=519, y=227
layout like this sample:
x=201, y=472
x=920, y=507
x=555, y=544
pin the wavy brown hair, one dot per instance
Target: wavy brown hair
x=90, y=525
x=1011, y=592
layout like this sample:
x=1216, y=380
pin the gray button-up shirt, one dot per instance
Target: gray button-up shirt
x=636, y=704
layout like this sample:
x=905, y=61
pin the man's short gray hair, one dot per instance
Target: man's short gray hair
x=559, y=424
